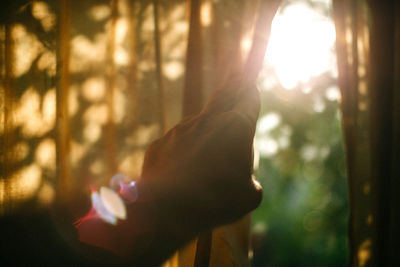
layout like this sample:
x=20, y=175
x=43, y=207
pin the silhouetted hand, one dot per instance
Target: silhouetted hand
x=195, y=177
x=200, y=172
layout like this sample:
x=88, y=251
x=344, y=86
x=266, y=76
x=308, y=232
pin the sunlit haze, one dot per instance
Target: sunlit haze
x=301, y=44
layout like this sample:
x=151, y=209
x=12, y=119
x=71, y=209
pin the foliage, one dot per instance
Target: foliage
x=302, y=219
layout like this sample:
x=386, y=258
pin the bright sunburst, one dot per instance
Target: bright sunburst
x=301, y=44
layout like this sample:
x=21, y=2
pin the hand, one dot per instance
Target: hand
x=200, y=172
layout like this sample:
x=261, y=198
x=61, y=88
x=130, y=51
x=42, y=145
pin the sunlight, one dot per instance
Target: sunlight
x=100, y=12
x=94, y=88
x=364, y=252
x=22, y=185
x=41, y=11
x=46, y=194
x=30, y=113
x=46, y=153
x=26, y=49
x=301, y=44
x=173, y=70
x=206, y=14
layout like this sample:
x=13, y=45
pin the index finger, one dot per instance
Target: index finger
x=248, y=99
x=240, y=93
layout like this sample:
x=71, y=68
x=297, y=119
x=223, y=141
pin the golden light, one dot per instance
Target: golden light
x=301, y=44
x=100, y=12
x=29, y=114
x=45, y=153
x=26, y=49
x=22, y=185
x=41, y=11
x=46, y=194
x=94, y=88
x=173, y=70
x=206, y=14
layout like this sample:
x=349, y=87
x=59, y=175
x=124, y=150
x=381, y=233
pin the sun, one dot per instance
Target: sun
x=301, y=44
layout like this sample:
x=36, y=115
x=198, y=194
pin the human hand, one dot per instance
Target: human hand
x=200, y=172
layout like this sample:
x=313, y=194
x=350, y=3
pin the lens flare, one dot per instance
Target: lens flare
x=126, y=188
x=110, y=203
x=113, y=203
x=101, y=209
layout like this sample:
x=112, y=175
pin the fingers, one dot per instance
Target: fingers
x=248, y=103
x=237, y=98
x=225, y=97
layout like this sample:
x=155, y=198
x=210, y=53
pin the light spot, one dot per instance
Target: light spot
x=29, y=116
x=173, y=70
x=86, y=53
x=97, y=167
x=96, y=114
x=113, y=203
x=260, y=228
x=283, y=142
x=362, y=71
x=318, y=104
x=266, y=146
x=362, y=87
x=117, y=180
x=26, y=49
x=364, y=252
x=121, y=57
x=22, y=185
x=100, y=12
x=245, y=44
x=46, y=153
x=101, y=210
x=92, y=132
x=370, y=219
x=301, y=44
x=269, y=82
x=132, y=163
x=362, y=106
x=366, y=188
x=49, y=109
x=47, y=61
x=41, y=11
x=332, y=93
x=268, y=122
x=93, y=89
x=206, y=13
x=309, y=152
x=46, y=194
x=121, y=30
x=143, y=135
x=125, y=186
x=78, y=151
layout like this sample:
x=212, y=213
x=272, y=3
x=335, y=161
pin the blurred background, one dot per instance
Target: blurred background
x=300, y=159
x=86, y=86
